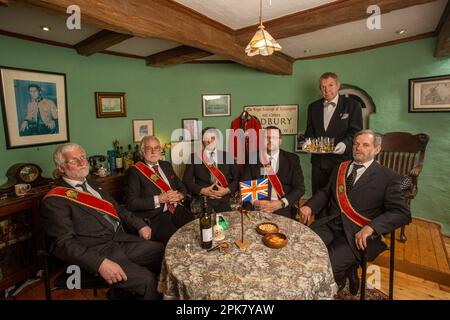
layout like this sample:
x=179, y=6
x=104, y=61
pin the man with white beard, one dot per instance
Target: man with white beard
x=85, y=227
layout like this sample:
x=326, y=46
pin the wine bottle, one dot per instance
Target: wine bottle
x=119, y=160
x=206, y=232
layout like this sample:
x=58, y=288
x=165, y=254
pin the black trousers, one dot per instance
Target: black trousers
x=165, y=224
x=141, y=262
x=341, y=254
x=319, y=177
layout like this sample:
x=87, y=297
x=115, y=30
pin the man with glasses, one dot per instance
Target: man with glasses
x=154, y=193
x=85, y=227
x=212, y=173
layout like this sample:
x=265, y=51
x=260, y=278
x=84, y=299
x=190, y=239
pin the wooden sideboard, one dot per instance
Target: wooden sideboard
x=112, y=185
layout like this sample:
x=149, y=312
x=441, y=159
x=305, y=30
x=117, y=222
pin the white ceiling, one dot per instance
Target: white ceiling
x=421, y=19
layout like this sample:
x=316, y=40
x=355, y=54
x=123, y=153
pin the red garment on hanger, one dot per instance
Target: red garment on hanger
x=245, y=121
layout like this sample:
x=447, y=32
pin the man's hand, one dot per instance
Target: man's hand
x=163, y=197
x=145, y=233
x=174, y=196
x=221, y=191
x=340, y=148
x=270, y=206
x=209, y=192
x=361, y=237
x=111, y=272
x=305, y=213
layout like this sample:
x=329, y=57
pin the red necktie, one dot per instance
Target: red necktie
x=170, y=206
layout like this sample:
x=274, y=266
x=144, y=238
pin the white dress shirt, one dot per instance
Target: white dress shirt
x=163, y=176
x=73, y=184
x=360, y=171
x=274, y=163
x=328, y=111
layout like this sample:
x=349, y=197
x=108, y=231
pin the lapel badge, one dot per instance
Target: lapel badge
x=153, y=177
x=72, y=194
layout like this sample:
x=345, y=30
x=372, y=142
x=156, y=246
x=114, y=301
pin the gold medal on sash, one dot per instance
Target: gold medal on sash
x=72, y=194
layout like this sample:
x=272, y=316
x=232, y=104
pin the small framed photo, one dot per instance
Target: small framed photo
x=34, y=105
x=142, y=128
x=190, y=129
x=110, y=104
x=299, y=142
x=430, y=94
x=216, y=105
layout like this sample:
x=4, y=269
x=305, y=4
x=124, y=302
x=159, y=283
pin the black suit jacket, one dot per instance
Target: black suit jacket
x=290, y=174
x=79, y=234
x=376, y=195
x=140, y=192
x=197, y=176
x=345, y=122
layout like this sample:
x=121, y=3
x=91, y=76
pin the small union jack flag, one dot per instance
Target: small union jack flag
x=254, y=189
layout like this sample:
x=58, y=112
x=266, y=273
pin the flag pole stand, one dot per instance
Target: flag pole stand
x=242, y=244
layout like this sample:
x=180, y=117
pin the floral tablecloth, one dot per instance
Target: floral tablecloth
x=300, y=270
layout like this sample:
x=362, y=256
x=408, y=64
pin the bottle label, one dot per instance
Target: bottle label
x=119, y=163
x=207, y=235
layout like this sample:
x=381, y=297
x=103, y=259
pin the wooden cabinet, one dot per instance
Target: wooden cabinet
x=113, y=185
x=21, y=236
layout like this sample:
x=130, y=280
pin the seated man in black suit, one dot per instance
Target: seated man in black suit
x=362, y=201
x=212, y=173
x=154, y=192
x=284, y=172
x=85, y=226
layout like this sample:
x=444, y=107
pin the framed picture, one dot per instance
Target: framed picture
x=110, y=104
x=34, y=105
x=216, y=105
x=284, y=117
x=431, y=94
x=142, y=128
x=299, y=142
x=190, y=129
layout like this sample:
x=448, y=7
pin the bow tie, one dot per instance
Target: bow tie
x=326, y=104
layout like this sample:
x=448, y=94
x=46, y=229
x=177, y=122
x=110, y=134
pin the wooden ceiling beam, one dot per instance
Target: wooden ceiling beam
x=166, y=19
x=324, y=16
x=3, y=2
x=175, y=56
x=100, y=41
x=443, y=34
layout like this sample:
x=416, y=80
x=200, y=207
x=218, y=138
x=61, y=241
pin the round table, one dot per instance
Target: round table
x=300, y=270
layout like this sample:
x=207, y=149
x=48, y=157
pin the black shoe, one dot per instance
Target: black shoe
x=352, y=274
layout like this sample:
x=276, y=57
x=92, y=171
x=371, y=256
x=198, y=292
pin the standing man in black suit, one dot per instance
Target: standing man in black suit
x=284, y=172
x=212, y=173
x=154, y=193
x=333, y=116
x=85, y=227
x=362, y=201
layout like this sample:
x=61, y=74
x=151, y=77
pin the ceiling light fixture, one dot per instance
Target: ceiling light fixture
x=45, y=28
x=262, y=42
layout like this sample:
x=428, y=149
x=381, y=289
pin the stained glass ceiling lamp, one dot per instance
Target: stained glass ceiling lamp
x=262, y=42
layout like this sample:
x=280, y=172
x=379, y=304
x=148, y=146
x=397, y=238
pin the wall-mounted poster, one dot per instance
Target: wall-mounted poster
x=284, y=117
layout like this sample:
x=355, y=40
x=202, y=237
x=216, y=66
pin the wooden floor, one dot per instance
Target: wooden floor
x=423, y=255
x=422, y=269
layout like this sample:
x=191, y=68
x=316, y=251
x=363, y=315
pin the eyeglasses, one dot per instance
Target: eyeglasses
x=75, y=161
x=156, y=149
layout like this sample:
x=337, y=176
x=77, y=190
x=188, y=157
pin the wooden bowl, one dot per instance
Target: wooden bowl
x=275, y=240
x=267, y=227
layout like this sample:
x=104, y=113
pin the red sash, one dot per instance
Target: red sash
x=85, y=199
x=215, y=171
x=342, y=197
x=152, y=176
x=273, y=178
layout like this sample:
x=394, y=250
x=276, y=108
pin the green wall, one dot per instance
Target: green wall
x=170, y=94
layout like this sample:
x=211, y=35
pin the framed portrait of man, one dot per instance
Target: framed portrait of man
x=34, y=106
x=142, y=128
x=190, y=129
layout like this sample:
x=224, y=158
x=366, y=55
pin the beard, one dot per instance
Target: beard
x=78, y=173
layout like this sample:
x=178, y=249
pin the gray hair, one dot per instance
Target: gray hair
x=144, y=140
x=376, y=136
x=58, y=154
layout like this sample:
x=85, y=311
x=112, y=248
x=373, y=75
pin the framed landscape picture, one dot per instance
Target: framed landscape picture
x=430, y=94
x=34, y=106
x=110, y=104
x=216, y=105
x=142, y=128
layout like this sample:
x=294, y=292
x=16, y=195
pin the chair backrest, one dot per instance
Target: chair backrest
x=404, y=153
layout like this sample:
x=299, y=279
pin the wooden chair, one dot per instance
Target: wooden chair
x=404, y=153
